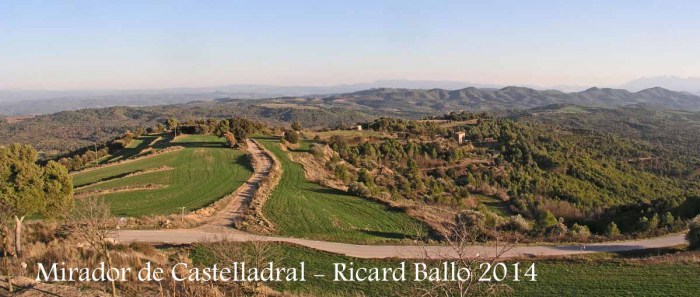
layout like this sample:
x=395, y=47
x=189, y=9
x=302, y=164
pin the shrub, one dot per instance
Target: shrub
x=317, y=150
x=559, y=229
x=359, y=189
x=518, y=223
x=470, y=226
x=580, y=231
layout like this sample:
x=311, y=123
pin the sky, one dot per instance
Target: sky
x=163, y=44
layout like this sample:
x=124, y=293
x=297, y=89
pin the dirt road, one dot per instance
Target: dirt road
x=392, y=251
x=219, y=228
x=234, y=211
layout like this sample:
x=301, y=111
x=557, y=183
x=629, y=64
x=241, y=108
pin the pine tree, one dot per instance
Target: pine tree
x=612, y=230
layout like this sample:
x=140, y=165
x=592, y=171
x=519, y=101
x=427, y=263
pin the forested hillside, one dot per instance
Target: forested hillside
x=658, y=141
x=517, y=168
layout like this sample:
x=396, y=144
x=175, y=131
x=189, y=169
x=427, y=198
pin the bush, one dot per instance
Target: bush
x=471, y=225
x=359, y=189
x=693, y=235
x=518, y=223
x=559, y=229
x=580, y=231
x=317, y=150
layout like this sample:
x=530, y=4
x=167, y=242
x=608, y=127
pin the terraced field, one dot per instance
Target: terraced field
x=194, y=177
x=299, y=208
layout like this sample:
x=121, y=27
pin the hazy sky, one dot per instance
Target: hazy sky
x=154, y=44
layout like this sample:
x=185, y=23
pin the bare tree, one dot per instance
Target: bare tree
x=468, y=232
x=93, y=222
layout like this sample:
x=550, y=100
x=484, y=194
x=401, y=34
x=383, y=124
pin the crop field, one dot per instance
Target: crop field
x=584, y=277
x=194, y=177
x=303, y=209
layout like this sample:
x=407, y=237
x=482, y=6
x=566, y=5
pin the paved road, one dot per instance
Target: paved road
x=219, y=228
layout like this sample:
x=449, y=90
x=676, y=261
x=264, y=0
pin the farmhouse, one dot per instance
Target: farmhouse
x=460, y=137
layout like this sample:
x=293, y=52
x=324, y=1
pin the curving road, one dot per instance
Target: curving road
x=219, y=228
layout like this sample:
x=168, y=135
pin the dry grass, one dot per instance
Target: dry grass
x=51, y=242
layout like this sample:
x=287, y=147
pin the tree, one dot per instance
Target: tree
x=58, y=189
x=469, y=230
x=365, y=177
x=612, y=230
x=172, y=125
x=653, y=223
x=546, y=220
x=93, y=223
x=28, y=189
x=667, y=220
x=296, y=126
x=291, y=136
x=159, y=128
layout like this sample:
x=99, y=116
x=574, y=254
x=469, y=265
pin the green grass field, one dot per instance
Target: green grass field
x=300, y=208
x=201, y=173
x=586, y=276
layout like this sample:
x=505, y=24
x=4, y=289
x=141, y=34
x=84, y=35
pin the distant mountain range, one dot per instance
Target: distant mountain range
x=474, y=95
x=22, y=102
x=475, y=99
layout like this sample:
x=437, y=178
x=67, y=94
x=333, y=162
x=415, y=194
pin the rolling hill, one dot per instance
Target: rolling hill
x=58, y=133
